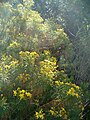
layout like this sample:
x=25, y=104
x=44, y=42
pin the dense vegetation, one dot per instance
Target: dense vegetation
x=44, y=60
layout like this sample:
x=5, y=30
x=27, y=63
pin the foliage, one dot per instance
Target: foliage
x=24, y=29
x=74, y=16
x=81, y=62
x=32, y=84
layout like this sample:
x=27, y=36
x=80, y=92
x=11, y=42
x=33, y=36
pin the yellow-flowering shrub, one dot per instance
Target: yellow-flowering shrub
x=22, y=94
x=48, y=68
x=31, y=86
x=34, y=83
x=26, y=30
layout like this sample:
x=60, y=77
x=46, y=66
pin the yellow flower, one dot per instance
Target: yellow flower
x=28, y=94
x=69, y=84
x=40, y=114
x=71, y=92
x=27, y=52
x=14, y=44
x=77, y=95
x=21, y=96
x=37, y=115
x=61, y=83
x=77, y=87
x=48, y=68
x=24, y=54
x=34, y=54
x=57, y=82
x=52, y=112
x=14, y=63
x=7, y=66
x=62, y=71
x=18, y=88
x=14, y=92
x=46, y=52
x=62, y=112
x=21, y=52
x=22, y=91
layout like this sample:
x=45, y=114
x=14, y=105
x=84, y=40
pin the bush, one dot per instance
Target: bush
x=31, y=86
x=24, y=29
x=32, y=89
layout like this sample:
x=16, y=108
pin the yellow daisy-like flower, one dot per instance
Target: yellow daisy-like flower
x=46, y=52
x=53, y=113
x=34, y=54
x=18, y=88
x=14, y=92
x=40, y=114
x=22, y=91
x=37, y=115
x=62, y=111
x=77, y=87
x=57, y=82
x=21, y=96
x=71, y=92
x=77, y=95
x=28, y=94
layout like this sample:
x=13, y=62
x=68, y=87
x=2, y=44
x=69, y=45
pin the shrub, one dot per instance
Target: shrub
x=34, y=89
x=24, y=29
x=31, y=85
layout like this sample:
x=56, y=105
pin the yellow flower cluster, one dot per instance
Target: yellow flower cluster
x=73, y=85
x=72, y=92
x=13, y=63
x=24, y=54
x=29, y=55
x=22, y=94
x=7, y=66
x=46, y=52
x=62, y=113
x=59, y=83
x=14, y=44
x=40, y=115
x=53, y=112
x=34, y=55
x=48, y=68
